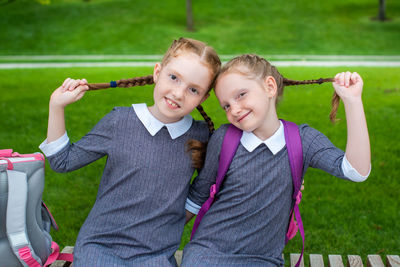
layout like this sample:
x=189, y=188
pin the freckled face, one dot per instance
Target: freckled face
x=245, y=101
x=181, y=85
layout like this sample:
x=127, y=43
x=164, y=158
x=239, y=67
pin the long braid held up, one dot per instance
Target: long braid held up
x=335, y=106
x=137, y=81
x=287, y=82
x=335, y=97
x=257, y=67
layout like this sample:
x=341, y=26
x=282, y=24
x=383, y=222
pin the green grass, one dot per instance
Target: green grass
x=232, y=27
x=340, y=217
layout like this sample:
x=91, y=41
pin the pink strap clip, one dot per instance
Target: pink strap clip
x=213, y=190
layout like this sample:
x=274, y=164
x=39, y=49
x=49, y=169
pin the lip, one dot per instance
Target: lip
x=244, y=116
x=171, y=103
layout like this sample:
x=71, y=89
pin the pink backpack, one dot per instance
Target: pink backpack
x=295, y=153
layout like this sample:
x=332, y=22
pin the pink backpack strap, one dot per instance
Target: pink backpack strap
x=228, y=151
x=295, y=153
x=25, y=254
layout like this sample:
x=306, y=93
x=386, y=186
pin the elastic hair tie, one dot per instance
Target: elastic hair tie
x=113, y=84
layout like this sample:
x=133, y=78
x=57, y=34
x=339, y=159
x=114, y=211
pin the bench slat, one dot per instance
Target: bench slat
x=392, y=261
x=67, y=249
x=374, y=261
x=316, y=260
x=294, y=257
x=354, y=261
x=335, y=261
x=178, y=257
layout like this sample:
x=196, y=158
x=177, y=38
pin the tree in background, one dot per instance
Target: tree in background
x=382, y=10
x=189, y=16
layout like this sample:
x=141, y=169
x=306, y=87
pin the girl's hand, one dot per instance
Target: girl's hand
x=348, y=86
x=69, y=92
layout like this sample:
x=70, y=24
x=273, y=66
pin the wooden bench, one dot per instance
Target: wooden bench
x=314, y=260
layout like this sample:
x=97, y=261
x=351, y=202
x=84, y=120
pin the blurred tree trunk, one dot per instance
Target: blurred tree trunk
x=189, y=15
x=382, y=10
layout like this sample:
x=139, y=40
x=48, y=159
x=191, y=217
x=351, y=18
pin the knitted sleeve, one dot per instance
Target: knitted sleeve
x=319, y=152
x=94, y=145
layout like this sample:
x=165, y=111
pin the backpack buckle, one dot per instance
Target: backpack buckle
x=213, y=190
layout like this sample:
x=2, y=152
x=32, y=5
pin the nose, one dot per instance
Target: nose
x=235, y=109
x=179, y=91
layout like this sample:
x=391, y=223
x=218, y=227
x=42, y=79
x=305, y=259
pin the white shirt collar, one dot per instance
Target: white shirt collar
x=153, y=125
x=275, y=143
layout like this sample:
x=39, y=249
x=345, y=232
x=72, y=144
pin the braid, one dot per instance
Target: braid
x=196, y=148
x=319, y=81
x=206, y=118
x=138, y=81
x=197, y=151
x=335, y=105
x=335, y=97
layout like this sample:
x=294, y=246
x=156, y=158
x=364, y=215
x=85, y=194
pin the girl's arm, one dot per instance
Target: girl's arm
x=70, y=91
x=349, y=87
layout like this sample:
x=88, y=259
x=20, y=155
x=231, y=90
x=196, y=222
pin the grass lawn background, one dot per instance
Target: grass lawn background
x=232, y=27
x=340, y=217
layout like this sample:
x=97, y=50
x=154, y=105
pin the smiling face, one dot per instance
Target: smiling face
x=181, y=85
x=249, y=103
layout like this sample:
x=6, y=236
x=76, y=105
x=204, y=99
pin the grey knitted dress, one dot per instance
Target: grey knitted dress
x=247, y=223
x=139, y=213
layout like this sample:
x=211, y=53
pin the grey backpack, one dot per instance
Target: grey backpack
x=25, y=220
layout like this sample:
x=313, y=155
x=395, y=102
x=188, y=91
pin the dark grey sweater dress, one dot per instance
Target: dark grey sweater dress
x=247, y=223
x=139, y=213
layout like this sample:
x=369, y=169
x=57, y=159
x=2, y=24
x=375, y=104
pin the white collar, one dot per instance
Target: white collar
x=275, y=143
x=153, y=125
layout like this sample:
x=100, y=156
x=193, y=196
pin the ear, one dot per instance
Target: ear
x=156, y=71
x=204, y=98
x=271, y=86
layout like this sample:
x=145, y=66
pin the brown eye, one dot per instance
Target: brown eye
x=193, y=90
x=241, y=95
